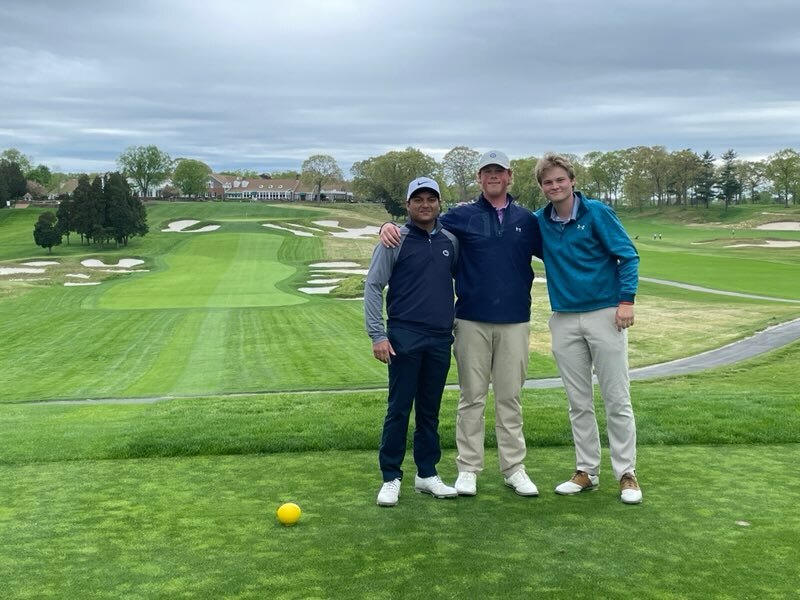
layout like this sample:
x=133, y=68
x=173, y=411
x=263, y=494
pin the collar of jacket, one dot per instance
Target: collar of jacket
x=412, y=227
x=481, y=200
x=548, y=210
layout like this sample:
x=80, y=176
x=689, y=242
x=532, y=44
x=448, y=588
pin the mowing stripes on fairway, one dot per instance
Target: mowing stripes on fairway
x=210, y=271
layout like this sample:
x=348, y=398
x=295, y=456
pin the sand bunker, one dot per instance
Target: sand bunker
x=318, y=290
x=78, y=275
x=123, y=263
x=18, y=270
x=294, y=231
x=41, y=263
x=768, y=244
x=315, y=281
x=346, y=271
x=180, y=227
x=78, y=283
x=333, y=265
x=328, y=224
x=781, y=226
x=357, y=234
x=305, y=227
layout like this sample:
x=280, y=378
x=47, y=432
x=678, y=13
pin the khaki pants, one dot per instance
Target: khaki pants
x=581, y=340
x=498, y=353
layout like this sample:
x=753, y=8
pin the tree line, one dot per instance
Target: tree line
x=641, y=176
x=100, y=211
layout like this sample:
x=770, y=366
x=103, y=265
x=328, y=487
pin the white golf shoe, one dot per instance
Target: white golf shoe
x=467, y=483
x=389, y=493
x=522, y=484
x=434, y=486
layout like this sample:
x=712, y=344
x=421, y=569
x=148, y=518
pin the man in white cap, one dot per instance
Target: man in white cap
x=416, y=342
x=497, y=239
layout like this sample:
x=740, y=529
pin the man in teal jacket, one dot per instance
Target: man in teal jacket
x=592, y=275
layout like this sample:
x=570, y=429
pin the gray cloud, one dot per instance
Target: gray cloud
x=265, y=84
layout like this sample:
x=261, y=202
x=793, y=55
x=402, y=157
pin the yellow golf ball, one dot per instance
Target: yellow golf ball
x=289, y=513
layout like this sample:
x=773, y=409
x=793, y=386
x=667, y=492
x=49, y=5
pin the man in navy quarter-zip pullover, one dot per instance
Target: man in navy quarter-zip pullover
x=492, y=327
x=416, y=342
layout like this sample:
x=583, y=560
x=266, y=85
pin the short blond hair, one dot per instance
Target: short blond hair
x=551, y=160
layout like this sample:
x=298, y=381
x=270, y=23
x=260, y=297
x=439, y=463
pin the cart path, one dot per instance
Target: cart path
x=697, y=288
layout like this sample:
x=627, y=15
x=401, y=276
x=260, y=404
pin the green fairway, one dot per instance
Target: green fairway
x=213, y=270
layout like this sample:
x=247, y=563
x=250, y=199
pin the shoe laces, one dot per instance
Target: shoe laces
x=628, y=482
x=579, y=475
x=394, y=484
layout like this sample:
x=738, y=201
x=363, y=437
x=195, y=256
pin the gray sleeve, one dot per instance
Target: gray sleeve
x=380, y=270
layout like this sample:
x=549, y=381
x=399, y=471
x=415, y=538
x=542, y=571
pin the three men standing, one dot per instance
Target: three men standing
x=592, y=269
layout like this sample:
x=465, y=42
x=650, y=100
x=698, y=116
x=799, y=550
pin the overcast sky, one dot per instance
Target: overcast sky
x=263, y=84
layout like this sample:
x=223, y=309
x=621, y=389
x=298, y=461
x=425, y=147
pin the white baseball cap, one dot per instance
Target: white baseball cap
x=422, y=183
x=494, y=157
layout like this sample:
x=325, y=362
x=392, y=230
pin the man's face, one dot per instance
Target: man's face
x=494, y=180
x=556, y=184
x=423, y=208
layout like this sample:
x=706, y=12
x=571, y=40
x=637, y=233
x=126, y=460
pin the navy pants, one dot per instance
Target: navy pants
x=417, y=375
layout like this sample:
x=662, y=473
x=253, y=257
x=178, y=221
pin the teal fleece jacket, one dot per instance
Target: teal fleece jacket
x=591, y=262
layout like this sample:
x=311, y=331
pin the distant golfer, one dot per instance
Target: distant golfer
x=416, y=347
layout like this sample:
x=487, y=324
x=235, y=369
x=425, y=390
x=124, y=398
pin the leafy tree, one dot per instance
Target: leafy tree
x=524, y=187
x=65, y=215
x=683, y=170
x=147, y=166
x=82, y=217
x=45, y=233
x=15, y=156
x=752, y=176
x=98, y=212
x=319, y=169
x=15, y=182
x=191, y=177
x=706, y=179
x=596, y=184
x=609, y=169
x=461, y=169
x=639, y=187
x=5, y=197
x=120, y=221
x=729, y=183
x=783, y=169
x=40, y=174
x=658, y=167
x=385, y=178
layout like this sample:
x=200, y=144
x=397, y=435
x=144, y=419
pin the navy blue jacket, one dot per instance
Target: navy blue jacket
x=494, y=272
x=419, y=273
